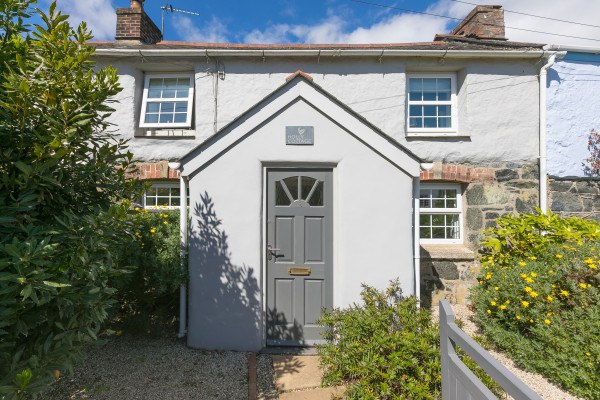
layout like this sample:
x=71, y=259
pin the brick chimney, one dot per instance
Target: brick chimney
x=133, y=24
x=484, y=22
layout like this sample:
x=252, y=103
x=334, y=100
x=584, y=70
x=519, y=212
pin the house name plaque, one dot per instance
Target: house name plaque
x=299, y=135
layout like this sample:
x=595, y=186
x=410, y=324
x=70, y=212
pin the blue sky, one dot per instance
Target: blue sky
x=340, y=21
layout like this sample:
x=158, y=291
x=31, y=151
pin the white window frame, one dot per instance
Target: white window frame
x=457, y=211
x=453, y=129
x=189, y=99
x=158, y=185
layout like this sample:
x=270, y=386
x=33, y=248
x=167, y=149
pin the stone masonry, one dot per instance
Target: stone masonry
x=489, y=192
x=575, y=197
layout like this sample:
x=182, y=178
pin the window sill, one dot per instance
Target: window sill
x=437, y=135
x=168, y=133
x=446, y=252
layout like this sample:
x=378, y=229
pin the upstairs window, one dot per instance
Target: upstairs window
x=431, y=104
x=440, y=219
x=167, y=101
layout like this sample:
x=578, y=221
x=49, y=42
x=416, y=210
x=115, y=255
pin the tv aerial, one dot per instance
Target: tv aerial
x=169, y=8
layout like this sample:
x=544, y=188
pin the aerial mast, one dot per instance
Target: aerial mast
x=169, y=8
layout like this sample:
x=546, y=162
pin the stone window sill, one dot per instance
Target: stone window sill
x=446, y=252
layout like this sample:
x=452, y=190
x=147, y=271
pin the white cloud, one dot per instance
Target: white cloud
x=213, y=31
x=99, y=15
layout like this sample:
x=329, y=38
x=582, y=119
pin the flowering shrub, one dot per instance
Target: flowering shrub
x=386, y=348
x=155, y=256
x=541, y=304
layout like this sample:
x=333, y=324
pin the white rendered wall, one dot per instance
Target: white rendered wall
x=497, y=101
x=371, y=225
x=573, y=109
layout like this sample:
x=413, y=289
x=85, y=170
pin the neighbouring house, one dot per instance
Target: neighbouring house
x=313, y=168
x=573, y=111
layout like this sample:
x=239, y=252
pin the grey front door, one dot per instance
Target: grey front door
x=299, y=254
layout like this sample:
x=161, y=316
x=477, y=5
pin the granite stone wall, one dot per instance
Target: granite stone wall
x=575, y=197
x=490, y=191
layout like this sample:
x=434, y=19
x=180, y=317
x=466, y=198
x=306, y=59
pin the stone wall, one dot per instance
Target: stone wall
x=575, y=196
x=489, y=191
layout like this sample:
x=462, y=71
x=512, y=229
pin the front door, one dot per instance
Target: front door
x=299, y=254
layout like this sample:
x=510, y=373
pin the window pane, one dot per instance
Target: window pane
x=438, y=193
x=450, y=203
x=415, y=122
x=151, y=118
x=181, y=106
x=292, y=185
x=281, y=198
x=162, y=201
x=439, y=203
x=317, y=197
x=307, y=185
x=175, y=201
x=438, y=220
x=429, y=89
x=443, y=89
x=452, y=220
x=425, y=203
x=452, y=233
x=179, y=117
x=425, y=233
x=444, y=122
x=415, y=89
x=443, y=111
x=430, y=122
x=155, y=88
x=425, y=220
x=429, y=111
x=166, y=118
x=167, y=107
x=415, y=111
x=151, y=192
x=170, y=88
x=175, y=191
x=163, y=191
x=438, y=233
x=451, y=193
x=152, y=107
x=150, y=201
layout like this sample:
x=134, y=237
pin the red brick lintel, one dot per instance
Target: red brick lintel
x=458, y=173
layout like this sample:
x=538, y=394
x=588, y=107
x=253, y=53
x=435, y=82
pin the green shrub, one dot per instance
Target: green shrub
x=386, y=348
x=151, y=291
x=541, y=303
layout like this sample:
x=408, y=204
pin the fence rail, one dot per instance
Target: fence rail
x=458, y=382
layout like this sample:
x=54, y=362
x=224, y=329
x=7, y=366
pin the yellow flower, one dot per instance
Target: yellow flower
x=588, y=354
x=592, y=266
x=495, y=287
x=493, y=303
x=589, y=260
x=137, y=209
x=525, y=303
x=549, y=298
x=549, y=314
x=533, y=274
x=533, y=258
x=547, y=321
x=148, y=331
x=583, y=285
x=553, y=286
x=518, y=317
x=531, y=321
x=489, y=312
x=522, y=264
x=523, y=275
x=488, y=276
x=558, y=256
x=472, y=271
x=564, y=293
x=589, y=285
x=527, y=289
x=507, y=301
x=165, y=222
x=118, y=333
x=550, y=271
x=533, y=294
x=529, y=280
x=502, y=307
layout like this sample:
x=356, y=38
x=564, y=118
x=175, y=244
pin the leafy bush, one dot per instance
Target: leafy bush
x=151, y=291
x=541, y=303
x=59, y=176
x=387, y=348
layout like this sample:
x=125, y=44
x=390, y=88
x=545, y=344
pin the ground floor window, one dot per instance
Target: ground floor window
x=163, y=196
x=440, y=220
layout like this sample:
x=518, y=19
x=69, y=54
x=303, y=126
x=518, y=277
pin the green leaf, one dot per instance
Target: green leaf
x=55, y=284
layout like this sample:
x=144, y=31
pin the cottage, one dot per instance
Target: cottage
x=314, y=168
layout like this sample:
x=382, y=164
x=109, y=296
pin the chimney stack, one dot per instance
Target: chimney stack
x=484, y=22
x=133, y=24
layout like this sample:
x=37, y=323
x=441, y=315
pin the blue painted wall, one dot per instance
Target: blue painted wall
x=573, y=109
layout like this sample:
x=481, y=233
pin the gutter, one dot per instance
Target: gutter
x=416, y=244
x=575, y=49
x=379, y=53
x=542, y=138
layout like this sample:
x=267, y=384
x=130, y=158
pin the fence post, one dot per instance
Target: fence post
x=447, y=347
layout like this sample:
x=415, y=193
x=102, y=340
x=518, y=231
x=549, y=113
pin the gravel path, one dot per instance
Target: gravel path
x=143, y=368
x=546, y=389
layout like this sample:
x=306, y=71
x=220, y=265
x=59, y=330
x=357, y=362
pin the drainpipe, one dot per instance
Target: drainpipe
x=543, y=158
x=183, y=246
x=417, y=247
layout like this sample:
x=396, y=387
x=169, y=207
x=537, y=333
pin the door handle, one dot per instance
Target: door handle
x=270, y=252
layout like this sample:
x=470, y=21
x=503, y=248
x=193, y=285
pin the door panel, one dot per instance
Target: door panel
x=299, y=253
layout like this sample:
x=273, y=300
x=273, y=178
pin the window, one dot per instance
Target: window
x=167, y=101
x=164, y=196
x=440, y=219
x=431, y=104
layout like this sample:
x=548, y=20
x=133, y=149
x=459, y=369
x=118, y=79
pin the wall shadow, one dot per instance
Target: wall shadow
x=224, y=299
